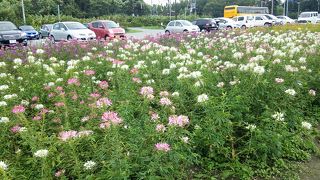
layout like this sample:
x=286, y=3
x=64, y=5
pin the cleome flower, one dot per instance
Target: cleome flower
x=180, y=120
x=41, y=153
x=162, y=147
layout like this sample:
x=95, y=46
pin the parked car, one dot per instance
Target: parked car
x=309, y=17
x=262, y=20
x=45, y=30
x=206, y=24
x=226, y=23
x=286, y=19
x=180, y=26
x=274, y=19
x=11, y=35
x=30, y=31
x=71, y=30
x=244, y=21
x=105, y=29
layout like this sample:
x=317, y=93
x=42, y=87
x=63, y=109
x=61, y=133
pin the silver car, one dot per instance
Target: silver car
x=181, y=26
x=71, y=30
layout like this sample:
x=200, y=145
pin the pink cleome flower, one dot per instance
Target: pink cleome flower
x=163, y=147
x=103, y=85
x=103, y=102
x=161, y=128
x=165, y=101
x=18, y=109
x=89, y=72
x=65, y=135
x=74, y=81
x=15, y=128
x=146, y=90
x=112, y=117
x=180, y=121
x=59, y=104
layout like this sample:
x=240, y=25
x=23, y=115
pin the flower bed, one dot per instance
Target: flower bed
x=237, y=104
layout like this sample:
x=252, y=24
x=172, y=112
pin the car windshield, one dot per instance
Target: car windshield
x=50, y=26
x=26, y=28
x=304, y=15
x=7, y=26
x=74, y=26
x=111, y=24
x=186, y=23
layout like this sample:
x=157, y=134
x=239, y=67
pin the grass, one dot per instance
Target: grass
x=292, y=27
x=128, y=30
x=152, y=27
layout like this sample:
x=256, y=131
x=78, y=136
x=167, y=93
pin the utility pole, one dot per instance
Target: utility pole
x=59, y=13
x=288, y=8
x=298, y=8
x=23, y=12
x=170, y=9
x=175, y=9
x=272, y=4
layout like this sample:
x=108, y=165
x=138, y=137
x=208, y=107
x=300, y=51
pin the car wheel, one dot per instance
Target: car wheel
x=107, y=38
x=69, y=38
x=267, y=25
x=167, y=32
x=229, y=27
x=243, y=27
x=53, y=40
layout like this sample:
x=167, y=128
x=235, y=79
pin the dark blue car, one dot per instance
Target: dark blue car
x=30, y=31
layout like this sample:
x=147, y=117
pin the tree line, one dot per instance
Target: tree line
x=11, y=9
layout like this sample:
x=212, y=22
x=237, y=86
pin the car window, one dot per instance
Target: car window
x=95, y=24
x=75, y=25
x=63, y=26
x=171, y=24
x=178, y=24
x=110, y=24
x=7, y=26
x=56, y=26
x=240, y=18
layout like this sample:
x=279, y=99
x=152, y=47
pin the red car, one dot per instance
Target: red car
x=105, y=29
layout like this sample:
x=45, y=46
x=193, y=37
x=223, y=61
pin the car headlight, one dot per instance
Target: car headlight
x=23, y=34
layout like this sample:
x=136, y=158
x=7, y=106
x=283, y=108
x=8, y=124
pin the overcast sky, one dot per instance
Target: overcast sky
x=159, y=1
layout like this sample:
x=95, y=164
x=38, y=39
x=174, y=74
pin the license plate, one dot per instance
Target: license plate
x=12, y=41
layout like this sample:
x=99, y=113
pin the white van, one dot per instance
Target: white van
x=262, y=20
x=244, y=21
x=309, y=17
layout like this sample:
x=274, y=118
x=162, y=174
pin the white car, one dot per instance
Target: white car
x=244, y=21
x=274, y=19
x=309, y=17
x=286, y=20
x=180, y=26
x=262, y=20
x=71, y=30
x=226, y=23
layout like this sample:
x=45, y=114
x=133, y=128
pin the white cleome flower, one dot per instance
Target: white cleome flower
x=4, y=119
x=306, y=125
x=291, y=92
x=3, y=166
x=41, y=153
x=89, y=165
x=278, y=116
x=202, y=98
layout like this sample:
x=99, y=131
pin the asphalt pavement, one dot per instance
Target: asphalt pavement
x=143, y=33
